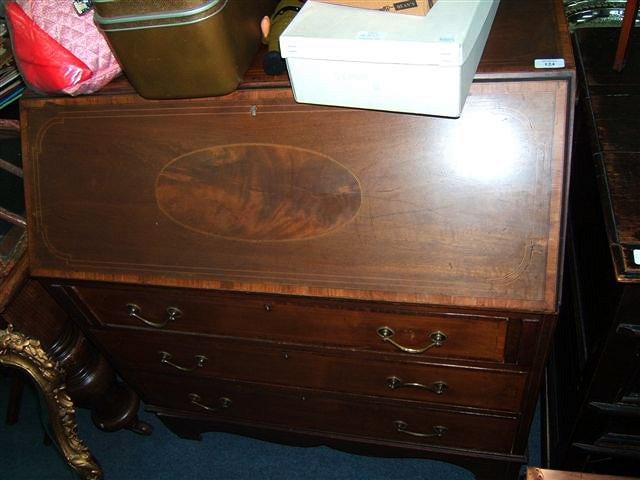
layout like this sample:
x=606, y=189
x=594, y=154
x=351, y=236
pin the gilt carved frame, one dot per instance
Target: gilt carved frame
x=26, y=354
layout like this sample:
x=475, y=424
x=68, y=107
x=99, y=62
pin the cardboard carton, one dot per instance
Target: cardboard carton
x=354, y=57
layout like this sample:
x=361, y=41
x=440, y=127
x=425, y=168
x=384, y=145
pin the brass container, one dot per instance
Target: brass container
x=183, y=48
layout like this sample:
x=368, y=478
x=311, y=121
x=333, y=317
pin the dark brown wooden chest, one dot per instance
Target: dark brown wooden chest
x=341, y=275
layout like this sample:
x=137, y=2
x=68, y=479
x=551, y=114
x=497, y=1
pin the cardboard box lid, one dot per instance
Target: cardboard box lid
x=445, y=36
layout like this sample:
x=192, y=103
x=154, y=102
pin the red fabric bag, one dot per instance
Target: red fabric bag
x=58, y=51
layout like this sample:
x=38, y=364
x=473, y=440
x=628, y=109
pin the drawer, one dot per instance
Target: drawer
x=321, y=412
x=190, y=356
x=351, y=325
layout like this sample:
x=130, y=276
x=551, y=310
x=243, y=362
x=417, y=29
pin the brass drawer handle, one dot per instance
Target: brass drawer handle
x=165, y=357
x=223, y=402
x=173, y=313
x=437, y=340
x=436, y=387
x=438, y=431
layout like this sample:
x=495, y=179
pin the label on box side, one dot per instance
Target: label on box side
x=636, y=256
x=366, y=35
x=548, y=63
x=406, y=4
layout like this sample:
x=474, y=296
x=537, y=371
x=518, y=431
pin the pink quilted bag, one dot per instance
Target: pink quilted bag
x=57, y=50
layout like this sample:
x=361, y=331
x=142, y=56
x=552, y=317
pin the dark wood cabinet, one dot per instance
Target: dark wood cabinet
x=593, y=381
x=355, y=278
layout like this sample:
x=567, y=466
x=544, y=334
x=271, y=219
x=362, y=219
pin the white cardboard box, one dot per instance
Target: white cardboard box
x=345, y=56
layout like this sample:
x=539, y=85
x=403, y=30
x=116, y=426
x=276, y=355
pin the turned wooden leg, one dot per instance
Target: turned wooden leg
x=93, y=384
x=19, y=351
x=90, y=380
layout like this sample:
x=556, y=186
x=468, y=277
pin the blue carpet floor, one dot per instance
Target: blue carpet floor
x=125, y=455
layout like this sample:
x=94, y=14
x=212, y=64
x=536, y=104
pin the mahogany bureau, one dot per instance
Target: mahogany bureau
x=368, y=280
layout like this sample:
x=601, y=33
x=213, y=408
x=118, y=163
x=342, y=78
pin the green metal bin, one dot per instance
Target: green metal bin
x=183, y=48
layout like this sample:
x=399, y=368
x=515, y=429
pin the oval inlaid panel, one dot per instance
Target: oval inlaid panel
x=258, y=192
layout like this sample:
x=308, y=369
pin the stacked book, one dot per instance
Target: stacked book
x=11, y=84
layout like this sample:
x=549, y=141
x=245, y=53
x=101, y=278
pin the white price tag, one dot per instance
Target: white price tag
x=549, y=63
x=636, y=256
x=82, y=6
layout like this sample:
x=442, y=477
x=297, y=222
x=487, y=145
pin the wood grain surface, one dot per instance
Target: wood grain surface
x=355, y=204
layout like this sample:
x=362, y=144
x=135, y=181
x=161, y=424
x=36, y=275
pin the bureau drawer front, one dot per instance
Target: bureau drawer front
x=190, y=356
x=302, y=321
x=308, y=410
